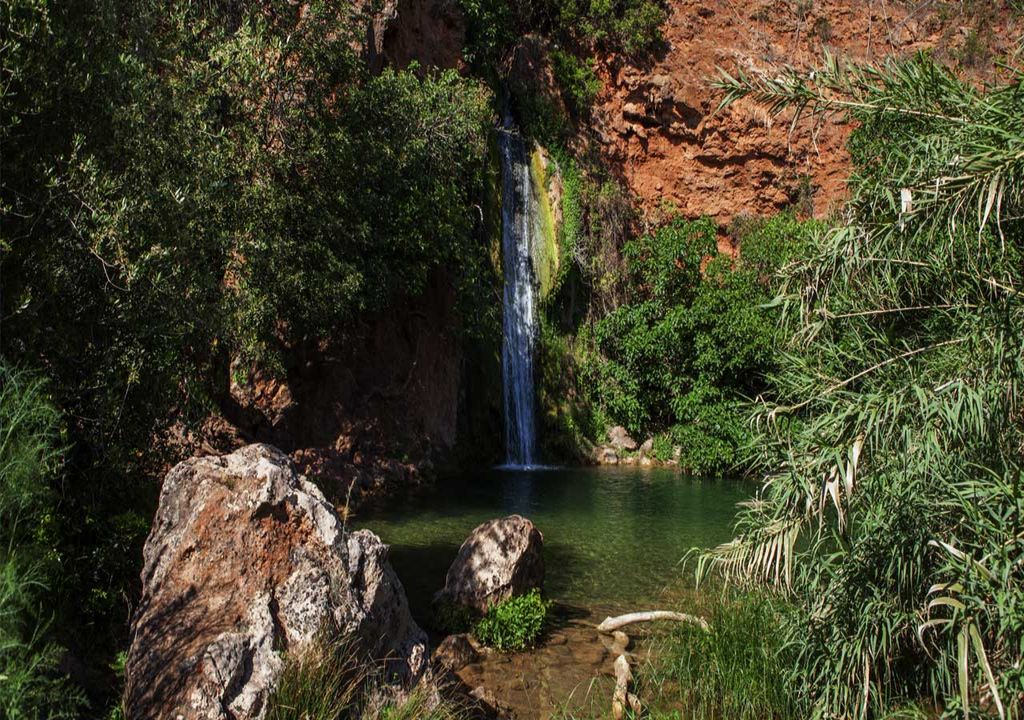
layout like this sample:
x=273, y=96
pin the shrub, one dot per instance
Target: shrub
x=576, y=79
x=696, y=336
x=632, y=26
x=514, y=623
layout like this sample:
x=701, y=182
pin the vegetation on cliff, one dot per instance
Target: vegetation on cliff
x=692, y=339
x=891, y=517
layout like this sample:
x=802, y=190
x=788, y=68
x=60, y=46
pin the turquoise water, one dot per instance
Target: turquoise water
x=613, y=536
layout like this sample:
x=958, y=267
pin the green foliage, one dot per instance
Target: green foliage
x=694, y=338
x=571, y=228
x=490, y=30
x=31, y=686
x=631, y=26
x=515, y=623
x=452, y=618
x=738, y=668
x=576, y=79
x=892, y=510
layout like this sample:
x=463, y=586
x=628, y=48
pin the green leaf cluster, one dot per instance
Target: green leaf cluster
x=695, y=337
x=514, y=623
x=31, y=683
x=630, y=26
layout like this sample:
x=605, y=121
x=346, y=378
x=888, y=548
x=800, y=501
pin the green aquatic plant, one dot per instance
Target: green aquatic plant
x=514, y=623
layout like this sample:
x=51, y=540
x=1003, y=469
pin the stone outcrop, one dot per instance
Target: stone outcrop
x=499, y=559
x=246, y=560
x=656, y=118
x=619, y=439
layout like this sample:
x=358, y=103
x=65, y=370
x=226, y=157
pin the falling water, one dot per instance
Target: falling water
x=520, y=226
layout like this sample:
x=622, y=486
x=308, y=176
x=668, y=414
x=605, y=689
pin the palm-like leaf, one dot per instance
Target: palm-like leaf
x=898, y=389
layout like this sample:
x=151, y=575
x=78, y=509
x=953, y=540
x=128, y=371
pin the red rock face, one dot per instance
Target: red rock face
x=656, y=120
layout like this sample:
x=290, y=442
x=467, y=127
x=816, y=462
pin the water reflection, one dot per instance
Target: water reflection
x=613, y=536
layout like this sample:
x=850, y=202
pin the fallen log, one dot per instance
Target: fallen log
x=611, y=624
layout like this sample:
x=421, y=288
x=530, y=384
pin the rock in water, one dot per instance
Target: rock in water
x=620, y=439
x=501, y=558
x=456, y=652
x=246, y=560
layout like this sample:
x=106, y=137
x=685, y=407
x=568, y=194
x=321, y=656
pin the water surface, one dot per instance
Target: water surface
x=613, y=536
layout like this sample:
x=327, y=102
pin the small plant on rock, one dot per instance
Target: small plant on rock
x=514, y=623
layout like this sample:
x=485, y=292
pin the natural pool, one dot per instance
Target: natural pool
x=613, y=536
x=613, y=540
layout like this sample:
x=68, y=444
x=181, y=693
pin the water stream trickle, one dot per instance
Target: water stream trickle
x=520, y=228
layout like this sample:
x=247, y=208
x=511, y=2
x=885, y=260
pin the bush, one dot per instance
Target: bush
x=515, y=623
x=631, y=26
x=695, y=338
x=31, y=686
x=576, y=79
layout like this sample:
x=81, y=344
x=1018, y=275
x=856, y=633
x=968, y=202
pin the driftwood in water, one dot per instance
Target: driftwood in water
x=611, y=624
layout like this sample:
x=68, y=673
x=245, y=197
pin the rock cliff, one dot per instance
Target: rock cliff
x=656, y=123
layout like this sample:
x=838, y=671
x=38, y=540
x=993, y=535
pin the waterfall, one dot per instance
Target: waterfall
x=520, y=226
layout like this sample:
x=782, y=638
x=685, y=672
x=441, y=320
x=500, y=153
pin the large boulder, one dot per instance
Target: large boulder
x=246, y=561
x=499, y=559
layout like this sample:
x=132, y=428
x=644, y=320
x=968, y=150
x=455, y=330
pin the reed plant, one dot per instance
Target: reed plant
x=891, y=442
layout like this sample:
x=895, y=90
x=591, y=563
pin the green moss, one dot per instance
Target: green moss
x=492, y=204
x=546, y=259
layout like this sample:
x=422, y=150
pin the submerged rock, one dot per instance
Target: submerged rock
x=457, y=651
x=620, y=439
x=499, y=559
x=247, y=560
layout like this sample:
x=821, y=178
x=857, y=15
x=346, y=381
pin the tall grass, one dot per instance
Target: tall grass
x=31, y=685
x=738, y=669
x=332, y=681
